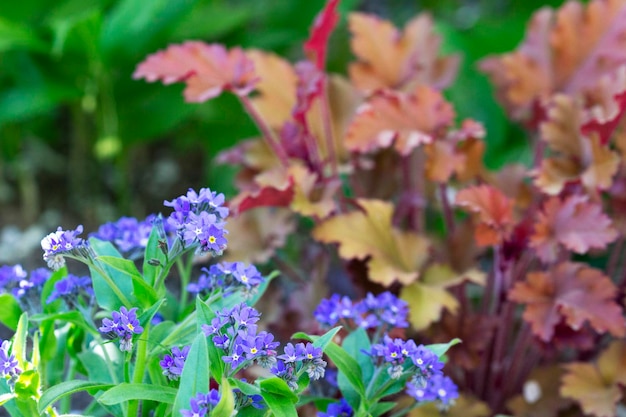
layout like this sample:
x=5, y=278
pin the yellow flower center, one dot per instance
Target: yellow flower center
x=130, y=327
x=253, y=350
x=212, y=239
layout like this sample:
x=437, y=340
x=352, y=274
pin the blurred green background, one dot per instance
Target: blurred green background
x=80, y=137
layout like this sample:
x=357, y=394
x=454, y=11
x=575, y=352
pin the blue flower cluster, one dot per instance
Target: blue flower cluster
x=198, y=218
x=127, y=233
x=202, y=404
x=173, y=364
x=123, y=325
x=8, y=363
x=340, y=409
x=25, y=287
x=235, y=332
x=65, y=243
x=406, y=359
x=227, y=277
x=298, y=359
x=372, y=312
x=71, y=289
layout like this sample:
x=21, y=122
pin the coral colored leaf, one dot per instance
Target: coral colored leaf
x=271, y=188
x=325, y=22
x=388, y=58
x=207, y=69
x=402, y=120
x=577, y=157
x=394, y=255
x=442, y=161
x=566, y=50
x=312, y=197
x=494, y=210
x=609, y=108
x=596, y=386
x=575, y=223
x=573, y=292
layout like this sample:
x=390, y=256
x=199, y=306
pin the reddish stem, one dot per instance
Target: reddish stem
x=448, y=215
x=328, y=129
x=266, y=130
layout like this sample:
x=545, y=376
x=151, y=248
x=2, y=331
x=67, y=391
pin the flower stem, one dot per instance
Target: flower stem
x=266, y=130
x=140, y=366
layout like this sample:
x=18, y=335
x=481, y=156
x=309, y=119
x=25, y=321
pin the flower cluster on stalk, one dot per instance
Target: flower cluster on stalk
x=8, y=363
x=227, y=277
x=340, y=409
x=202, y=404
x=298, y=359
x=63, y=243
x=235, y=332
x=172, y=364
x=25, y=287
x=123, y=325
x=72, y=289
x=384, y=311
x=198, y=219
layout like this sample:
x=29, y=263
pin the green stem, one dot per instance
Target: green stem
x=184, y=270
x=140, y=367
x=372, y=383
x=65, y=403
x=112, y=285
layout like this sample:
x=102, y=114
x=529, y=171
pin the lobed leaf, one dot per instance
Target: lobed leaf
x=394, y=255
x=572, y=292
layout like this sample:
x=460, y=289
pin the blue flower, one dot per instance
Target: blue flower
x=122, y=325
x=8, y=363
x=340, y=409
x=438, y=387
x=65, y=242
x=227, y=277
x=10, y=276
x=70, y=289
x=202, y=404
x=127, y=233
x=172, y=365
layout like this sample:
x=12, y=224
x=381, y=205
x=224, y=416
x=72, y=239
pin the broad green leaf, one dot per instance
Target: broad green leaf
x=4, y=398
x=244, y=387
x=10, y=312
x=355, y=344
x=226, y=405
x=59, y=391
x=110, y=292
x=279, y=397
x=204, y=316
x=15, y=36
x=68, y=316
x=147, y=315
x=440, y=349
x=143, y=292
x=326, y=338
x=10, y=405
x=27, y=384
x=382, y=407
x=195, y=376
x=47, y=289
x=125, y=392
x=96, y=365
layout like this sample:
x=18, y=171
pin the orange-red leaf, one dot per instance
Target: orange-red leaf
x=402, y=120
x=494, y=211
x=568, y=50
x=573, y=292
x=575, y=223
x=207, y=69
x=394, y=255
x=398, y=60
x=596, y=387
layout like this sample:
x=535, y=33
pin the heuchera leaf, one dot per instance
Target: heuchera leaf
x=577, y=157
x=567, y=50
x=325, y=22
x=271, y=188
x=399, y=119
x=207, y=69
x=394, y=255
x=596, y=387
x=392, y=59
x=494, y=210
x=544, y=381
x=573, y=292
x=575, y=223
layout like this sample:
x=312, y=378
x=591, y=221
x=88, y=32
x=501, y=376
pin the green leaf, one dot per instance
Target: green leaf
x=382, y=407
x=68, y=316
x=4, y=398
x=440, y=349
x=153, y=252
x=15, y=36
x=47, y=289
x=195, y=376
x=19, y=342
x=143, y=292
x=109, y=291
x=355, y=344
x=27, y=384
x=244, y=387
x=326, y=338
x=63, y=389
x=125, y=392
x=10, y=312
x=279, y=397
x=204, y=316
x=226, y=405
x=147, y=315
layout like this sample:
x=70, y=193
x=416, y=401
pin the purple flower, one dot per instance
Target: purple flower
x=340, y=409
x=122, y=325
x=426, y=361
x=173, y=364
x=236, y=357
x=127, y=233
x=64, y=242
x=70, y=289
x=10, y=276
x=247, y=275
x=243, y=316
x=438, y=387
x=293, y=353
x=8, y=363
x=227, y=277
x=202, y=404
